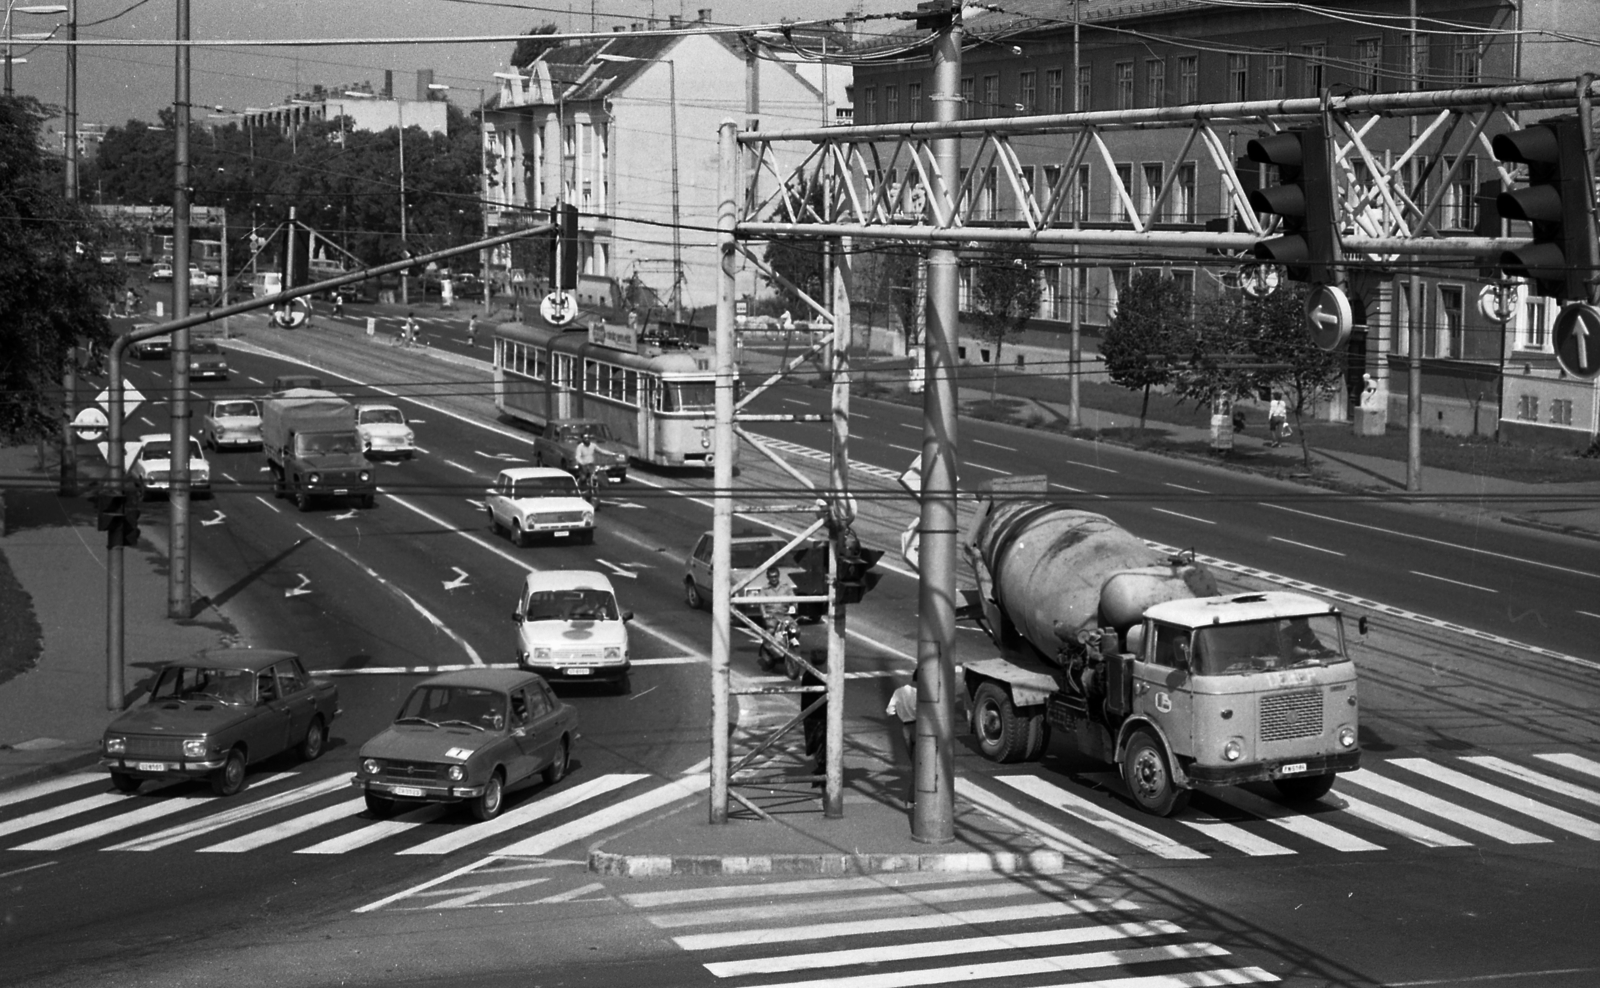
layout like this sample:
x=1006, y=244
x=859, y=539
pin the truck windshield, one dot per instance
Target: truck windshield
x=327, y=442
x=1278, y=643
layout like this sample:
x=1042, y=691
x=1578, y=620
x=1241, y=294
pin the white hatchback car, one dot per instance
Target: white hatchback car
x=151, y=470
x=529, y=501
x=232, y=423
x=384, y=431
x=569, y=627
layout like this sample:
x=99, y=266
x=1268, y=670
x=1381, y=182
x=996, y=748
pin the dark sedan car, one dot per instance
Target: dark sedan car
x=159, y=346
x=468, y=737
x=215, y=713
x=557, y=447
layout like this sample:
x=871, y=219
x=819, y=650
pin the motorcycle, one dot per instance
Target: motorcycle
x=786, y=630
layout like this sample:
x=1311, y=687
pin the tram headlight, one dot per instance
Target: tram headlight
x=1233, y=750
x=1347, y=737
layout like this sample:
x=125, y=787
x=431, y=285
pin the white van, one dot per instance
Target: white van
x=570, y=627
x=265, y=283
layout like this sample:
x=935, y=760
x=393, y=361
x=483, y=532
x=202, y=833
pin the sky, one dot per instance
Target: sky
x=119, y=84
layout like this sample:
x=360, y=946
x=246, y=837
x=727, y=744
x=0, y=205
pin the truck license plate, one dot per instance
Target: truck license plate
x=151, y=766
x=562, y=535
x=406, y=791
x=576, y=672
x=1293, y=768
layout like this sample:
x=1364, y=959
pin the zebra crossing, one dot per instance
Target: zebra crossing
x=292, y=813
x=1393, y=804
x=931, y=929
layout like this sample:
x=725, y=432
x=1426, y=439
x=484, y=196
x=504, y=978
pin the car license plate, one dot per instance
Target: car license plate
x=576, y=672
x=1293, y=768
x=342, y=490
x=406, y=791
x=562, y=535
x=151, y=766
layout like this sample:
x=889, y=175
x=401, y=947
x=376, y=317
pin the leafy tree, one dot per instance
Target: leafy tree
x=1153, y=314
x=534, y=44
x=887, y=276
x=1295, y=366
x=1005, y=295
x=54, y=292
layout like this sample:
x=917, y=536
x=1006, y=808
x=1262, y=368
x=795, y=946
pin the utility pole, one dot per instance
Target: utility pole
x=68, y=485
x=1074, y=297
x=722, y=472
x=483, y=202
x=405, y=276
x=677, y=219
x=839, y=482
x=178, y=596
x=934, y=819
x=1414, y=306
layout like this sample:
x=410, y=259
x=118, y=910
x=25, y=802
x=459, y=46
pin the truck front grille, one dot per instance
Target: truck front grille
x=147, y=747
x=1295, y=714
x=411, y=771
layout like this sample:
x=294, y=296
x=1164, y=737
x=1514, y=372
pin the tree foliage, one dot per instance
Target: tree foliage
x=1005, y=295
x=1153, y=320
x=886, y=276
x=54, y=292
x=534, y=44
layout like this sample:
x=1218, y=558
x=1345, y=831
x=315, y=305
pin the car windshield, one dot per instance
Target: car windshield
x=1279, y=643
x=455, y=706
x=747, y=555
x=599, y=433
x=545, y=487
x=236, y=409
x=571, y=605
x=687, y=396
x=161, y=449
x=382, y=416
x=206, y=347
x=193, y=683
x=327, y=442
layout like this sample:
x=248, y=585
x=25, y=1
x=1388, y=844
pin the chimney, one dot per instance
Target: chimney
x=424, y=79
x=388, y=83
x=703, y=15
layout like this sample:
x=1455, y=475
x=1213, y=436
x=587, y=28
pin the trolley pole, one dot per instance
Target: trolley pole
x=841, y=507
x=722, y=499
x=934, y=819
x=178, y=596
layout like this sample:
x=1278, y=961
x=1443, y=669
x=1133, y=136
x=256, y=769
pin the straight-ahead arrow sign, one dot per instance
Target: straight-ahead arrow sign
x=213, y=521
x=305, y=581
x=459, y=581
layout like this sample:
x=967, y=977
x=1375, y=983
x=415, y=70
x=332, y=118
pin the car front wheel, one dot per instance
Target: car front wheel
x=691, y=596
x=229, y=779
x=315, y=741
x=557, y=769
x=487, y=806
x=123, y=782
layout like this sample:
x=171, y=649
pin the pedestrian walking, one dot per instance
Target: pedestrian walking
x=816, y=722
x=903, y=709
x=409, y=330
x=1277, y=419
x=131, y=300
x=472, y=331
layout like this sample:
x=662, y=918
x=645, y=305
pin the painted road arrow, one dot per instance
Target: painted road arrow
x=305, y=581
x=213, y=521
x=459, y=581
x=617, y=570
x=349, y=513
x=500, y=456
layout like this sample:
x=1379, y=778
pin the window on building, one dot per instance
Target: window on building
x=1185, y=282
x=1053, y=92
x=1124, y=71
x=1028, y=189
x=1369, y=64
x=869, y=105
x=1155, y=82
x=1081, y=193
x=1239, y=77
x=1449, y=324
x=1183, y=208
x=914, y=101
x=1119, y=285
x=991, y=96
x=1535, y=324
x=1561, y=411
x=891, y=104
x=1052, y=180
x=1313, y=65
x=969, y=96
x=1153, y=174
x=1458, y=209
x=1085, y=87
x=1424, y=56
x=988, y=200
x=1188, y=79
x=1277, y=75
x=1028, y=91
x=1464, y=61
x=1528, y=408
x=1049, y=278
x=1400, y=313
x=1120, y=200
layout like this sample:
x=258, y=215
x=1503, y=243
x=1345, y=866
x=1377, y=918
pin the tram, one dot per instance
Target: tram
x=656, y=396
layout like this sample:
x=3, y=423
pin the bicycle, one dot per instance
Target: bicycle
x=591, y=480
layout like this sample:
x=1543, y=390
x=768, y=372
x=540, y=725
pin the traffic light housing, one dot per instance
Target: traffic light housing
x=1562, y=257
x=117, y=516
x=563, y=263
x=856, y=574
x=1303, y=199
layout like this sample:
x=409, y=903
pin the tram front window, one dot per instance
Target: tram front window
x=687, y=396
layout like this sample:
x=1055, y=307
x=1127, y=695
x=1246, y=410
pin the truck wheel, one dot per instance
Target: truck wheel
x=279, y=488
x=1002, y=733
x=1304, y=789
x=1149, y=777
x=1038, y=737
x=369, y=500
x=302, y=500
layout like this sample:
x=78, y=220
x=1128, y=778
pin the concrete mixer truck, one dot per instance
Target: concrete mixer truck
x=1135, y=659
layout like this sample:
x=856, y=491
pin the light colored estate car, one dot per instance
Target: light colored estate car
x=569, y=626
x=468, y=737
x=529, y=501
x=231, y=423
x=151, y=470
x=384, y=431
x=751, y=548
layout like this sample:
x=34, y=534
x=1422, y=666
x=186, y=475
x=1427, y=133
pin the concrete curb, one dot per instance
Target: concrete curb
x=1551, y=527
x=48, y=770
x=1040, y=862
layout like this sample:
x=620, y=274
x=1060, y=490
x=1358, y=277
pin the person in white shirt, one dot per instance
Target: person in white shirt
x=1277, y=418
x=903, y=707
x=583, y=457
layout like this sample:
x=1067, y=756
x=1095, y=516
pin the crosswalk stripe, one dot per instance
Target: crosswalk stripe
x=547, y=841
x=1062, y=841
x=54, y=813
x=526, y=813
x=1015, y=968
x=147, y=810
x=233, y=815
x=1575, y=763
x=806, y=886
x=859, y=904
x=1189, y=979
x=50, y=786
x=942, y=948
x=1295, y=821
x=1533, y=778
x=376, y=831
x=288, y=828
x=1404, y=826
x=1460, y=815
x=1127, y=830
x=1516, y=802
x=750, y=937
x=1235, y=837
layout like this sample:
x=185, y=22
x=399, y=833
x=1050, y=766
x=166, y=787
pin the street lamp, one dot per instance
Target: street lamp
x=677, y=231
x=46, y=8
x=483, y=184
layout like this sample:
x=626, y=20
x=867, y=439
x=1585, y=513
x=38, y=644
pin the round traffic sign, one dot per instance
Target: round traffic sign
x=1577, y=340
x=1258, y=280
x=558, y=308
x=1328, y=317
x=291, y=314
x=1497, y=303
x=90, y=425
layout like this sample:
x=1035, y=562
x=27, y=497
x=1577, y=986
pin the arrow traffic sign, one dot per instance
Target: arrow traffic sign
x=1577, y=340
x=132, y=398
x=1328, y=317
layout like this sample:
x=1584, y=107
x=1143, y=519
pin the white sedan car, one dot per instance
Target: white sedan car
x=151, y=471
x=569, y=627
x=231, y=422
x=529, y=501
x=384, y=431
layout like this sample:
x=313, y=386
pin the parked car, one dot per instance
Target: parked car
x=161, y=272
x=214, y=714
x=132, y=257
x=569, y=626
x=207, y=360
x=384, y=431
x=160, y=346
x=231, y=423
x=286, y=382
x=151, y=469
x=108, y=257
x=751, y=548
x=558, y=445
x=468, y=737
x=529, y=501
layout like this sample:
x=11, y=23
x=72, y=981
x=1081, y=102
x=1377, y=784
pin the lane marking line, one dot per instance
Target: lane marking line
x=1193, y=490
x=1179, y=514
x=1304, y=545
x=1058, y=798
x=985, y=442
x=981, y=466
x=1446, y=579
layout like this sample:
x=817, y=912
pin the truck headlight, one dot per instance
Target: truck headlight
x=365, y=476
x=370, y=766
x=1233, y=750
x=1347, y=737
x=116, y=746
x=613, y=653
x=456, y=773
x=541, y=653
x=194, y=748
x=315, y=478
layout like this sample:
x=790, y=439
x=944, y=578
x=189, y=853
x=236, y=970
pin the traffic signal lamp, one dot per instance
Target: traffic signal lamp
x=563, y=270
x=856, y=576
x=1308, y=240
x=118, y=517
x=1558, y=202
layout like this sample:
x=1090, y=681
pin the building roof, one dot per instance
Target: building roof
x=1035, y=15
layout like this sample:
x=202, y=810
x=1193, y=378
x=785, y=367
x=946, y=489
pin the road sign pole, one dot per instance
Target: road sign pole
x=178, y=595
x=722, y=500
